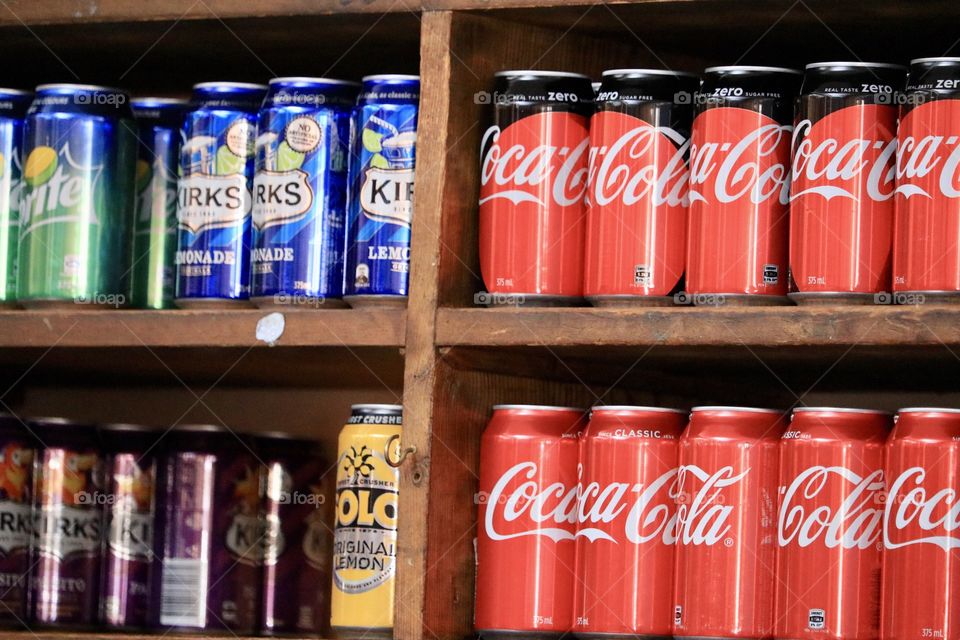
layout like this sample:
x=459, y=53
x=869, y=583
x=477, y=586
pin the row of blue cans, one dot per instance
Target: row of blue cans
x=300, y=192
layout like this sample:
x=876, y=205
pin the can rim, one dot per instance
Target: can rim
x=738, y=67
x=629, y=407
x=653, y=72
x=718, y=407
x=76, y=86
x=937, y=59
x=127, y=426
x=209, y=428
x=379, y=407
x=16, y=92
x=843, y=410
x=858, y=65
x=157, y=100
x=548, y=74
x=391, y=76
x=929, y=409
x=230, y=85
x=55, y=421
x=540, y=407
x=313, y=79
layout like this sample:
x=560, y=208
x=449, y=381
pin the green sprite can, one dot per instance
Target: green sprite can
x=155, y=226
x=13, y=108
x=77, y=201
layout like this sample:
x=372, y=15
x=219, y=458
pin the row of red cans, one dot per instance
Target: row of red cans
x=662, y=190
x=732, y=524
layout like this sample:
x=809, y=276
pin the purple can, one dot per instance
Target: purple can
x=210, y=548
x=127, y=556
x=298, y=540
x=67, y=525
x=17, y=451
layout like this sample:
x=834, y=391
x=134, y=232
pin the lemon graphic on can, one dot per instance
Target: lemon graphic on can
x=144, y=174
x=40, y=165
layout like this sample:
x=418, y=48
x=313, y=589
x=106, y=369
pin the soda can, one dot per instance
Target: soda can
x=67, y=525
x=209, y=541
x=739, y=186
x=77, y=202
x=155, y=226
x=214, y=195
x=526, y=555
x=131, y=465
x=844, y=178
x=829, y=524
x=926, y=255
x=365, y=529
x=726, y=516
x=921, y=586
x=627, y=520
x=17, y=452
x=296, y=558
x=533, y=184
x=300, y=191
x=637, y=210
x=383, y=145
x=13, y=109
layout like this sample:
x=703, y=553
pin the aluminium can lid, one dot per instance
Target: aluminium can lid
x=391, y=76
x=535, y=72
x=858, y=65
x=929, y=410
x=732, y=408
x=650, y=72
x=735, y=67
x=627, y=407
x=376, y=407
x=841, y=410
x=230, y=85
x=535, y=407
x=78, y=87
x=284, y=79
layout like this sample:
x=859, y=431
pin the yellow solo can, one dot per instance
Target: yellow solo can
x=365, y=532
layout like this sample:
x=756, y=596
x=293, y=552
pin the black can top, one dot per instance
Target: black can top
x=560, y=89
x=280, y=444
x=129, y=438
x=13, y=428
x=376, y=414
x=853, y=78
x=204, y=438
x=648, y=85
x=62, y=433
x=938, y=76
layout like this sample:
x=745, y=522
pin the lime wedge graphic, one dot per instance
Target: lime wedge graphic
x=379, y=162
x=288, y=159
x=371, y=140
x=2, y=158
x=40, y=165
x=144, y=173
x=228, y=162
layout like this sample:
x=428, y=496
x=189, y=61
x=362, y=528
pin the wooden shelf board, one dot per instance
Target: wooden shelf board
x=694, y=327
x=231, y=328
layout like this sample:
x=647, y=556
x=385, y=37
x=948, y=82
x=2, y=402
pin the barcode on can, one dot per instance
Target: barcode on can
x=183, y=593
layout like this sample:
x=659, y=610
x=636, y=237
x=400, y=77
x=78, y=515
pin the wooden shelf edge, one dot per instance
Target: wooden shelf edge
x=229, y=328
x=757, y=326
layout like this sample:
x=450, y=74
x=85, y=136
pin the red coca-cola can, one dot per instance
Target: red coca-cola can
x=637, y=200
x=533, y=180
x=726, y=516
x=829, y=524
x=844, y=177
x=527, y=521
x=626, y=531
x=739, y=186
x=926, y=239
x=921, y=527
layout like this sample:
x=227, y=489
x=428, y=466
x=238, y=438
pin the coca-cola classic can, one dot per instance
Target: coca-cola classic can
x=726, y=516
x=828, y=526
x=627, y=522
x=926, y=239
x=533, y=180
x=526, y=549
x=921, y=583
x=637, y=199
x=739, y=186
x=841, y=209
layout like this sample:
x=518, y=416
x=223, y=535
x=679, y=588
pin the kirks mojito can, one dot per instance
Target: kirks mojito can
x=17, y=452
x=67, y=525
x=13, y=109
x=298, y=539
x=77, y=201
x=299, y=193
x=382, y=152
x=159, y=122
x=209, y=544
x=214, y=195
x=365, y=529
x=130, y=462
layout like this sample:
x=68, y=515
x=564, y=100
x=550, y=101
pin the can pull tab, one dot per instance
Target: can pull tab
x=396, y=461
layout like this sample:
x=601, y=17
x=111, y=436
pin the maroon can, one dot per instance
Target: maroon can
x=68, y=503
x=637, y=200
x=17, y=452
x=130, y=453
x=533, y=180
x=298, y=539
x=844, y=178
x=211, y=547
x=527, y=521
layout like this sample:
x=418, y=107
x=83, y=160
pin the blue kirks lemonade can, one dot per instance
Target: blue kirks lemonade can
x=382, y=152
x=214, y=194
x=300, y=191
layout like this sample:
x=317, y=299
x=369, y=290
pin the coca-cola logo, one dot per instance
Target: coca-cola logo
x=519, y=167
x=915, y=516
x=853, y=523
x=738, y=154
x=703, y=515
x=928, y=162
x=832, y=167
